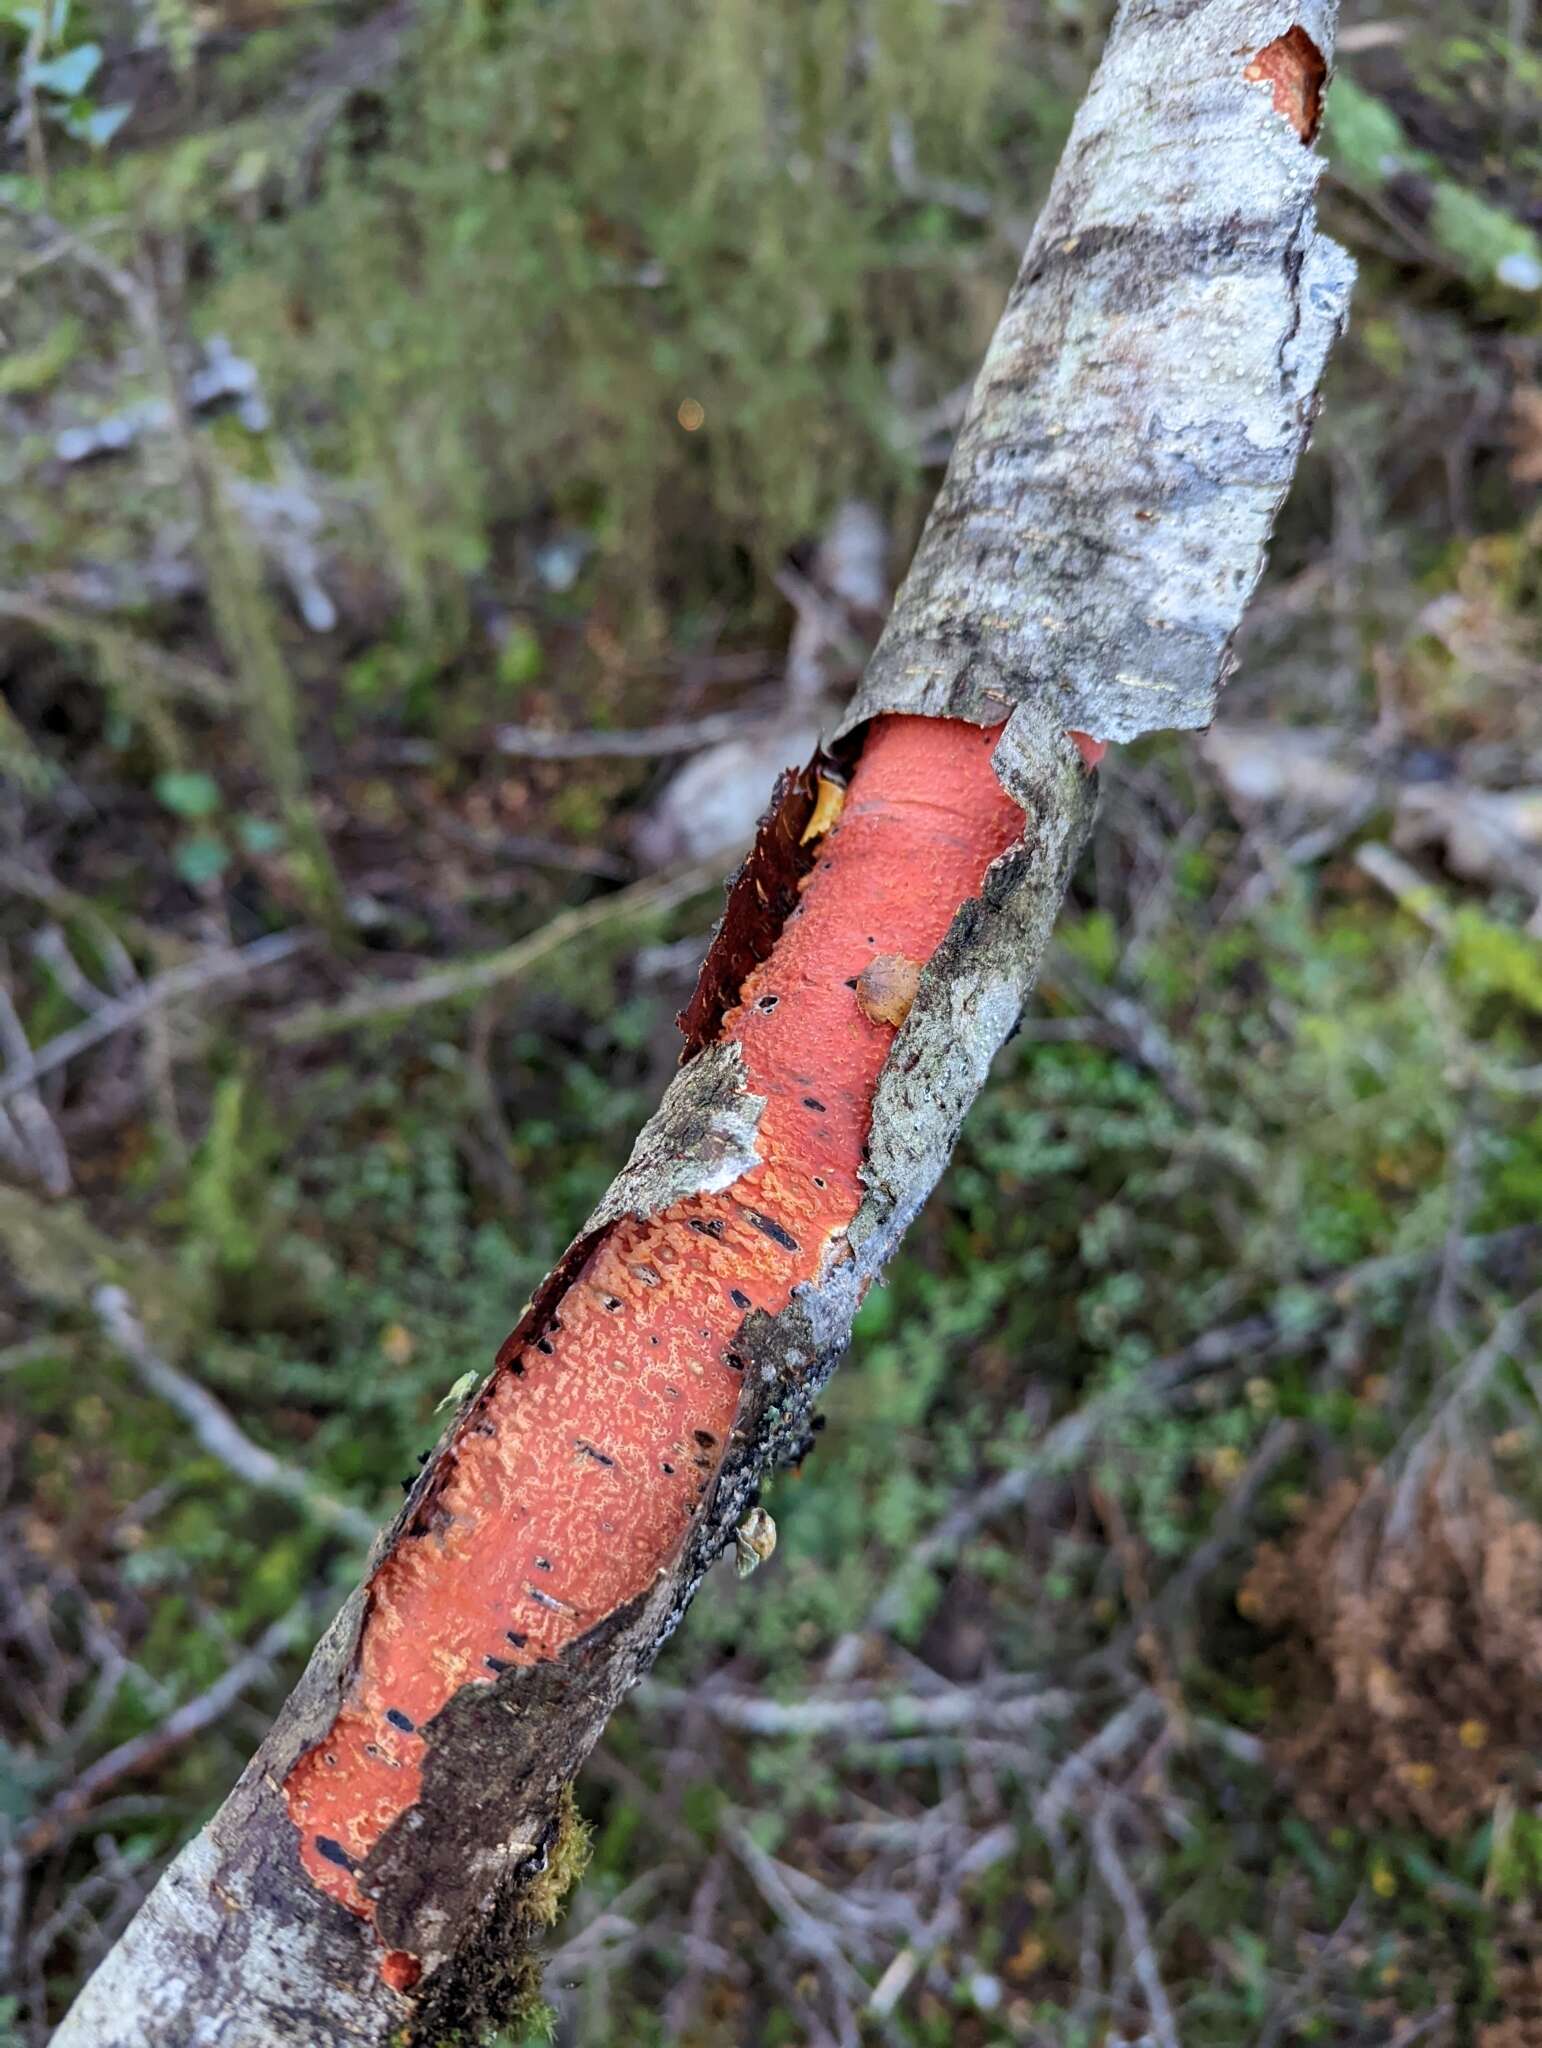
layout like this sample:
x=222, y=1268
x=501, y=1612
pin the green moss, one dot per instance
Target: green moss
x=495, y=1986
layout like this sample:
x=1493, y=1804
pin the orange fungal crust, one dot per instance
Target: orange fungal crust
x=1292, y=67
x=575, y=1476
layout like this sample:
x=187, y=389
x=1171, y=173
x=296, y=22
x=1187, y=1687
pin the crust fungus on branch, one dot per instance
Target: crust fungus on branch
x=385, y=1863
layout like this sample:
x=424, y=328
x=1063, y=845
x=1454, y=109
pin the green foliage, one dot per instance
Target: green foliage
x=1370, y=149
x=700, y=207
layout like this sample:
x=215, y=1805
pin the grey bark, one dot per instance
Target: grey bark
x=1136, y=424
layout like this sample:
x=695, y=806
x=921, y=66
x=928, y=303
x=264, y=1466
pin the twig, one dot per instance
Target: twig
x=1121, y=1888
x=28, y=1132
x=1405, y=885
x=154, y=668
x=640, y=743
x=13, y=1882
x=896, y=1980
x=53, y=950
x=144, y=1752
x=813, y=1936
x=196, y=978
x=525, y=850
x=861, y=1715
x=24, y=880
x=829, y=618
x=1134, y=1028
x=215, y=1427
x=1080, y=1768
x=701, y=1952
x=1422, y=1442
x=449, y=984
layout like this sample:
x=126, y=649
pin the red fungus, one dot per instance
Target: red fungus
x=399, y=1969
x=578, y=1471
x=1293, y=66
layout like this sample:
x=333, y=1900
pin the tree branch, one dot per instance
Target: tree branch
x=216, y=1428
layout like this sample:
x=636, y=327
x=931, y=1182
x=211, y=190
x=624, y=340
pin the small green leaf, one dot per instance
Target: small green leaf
x=459, y=1392
x=520, y=659
x=102, y=123
x=201, y=859
x=70, y=72
x=188, y=793
x=33, y=369
x=259, y=835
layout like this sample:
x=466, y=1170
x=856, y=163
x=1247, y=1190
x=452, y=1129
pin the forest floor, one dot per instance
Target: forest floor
x=1153, y=1647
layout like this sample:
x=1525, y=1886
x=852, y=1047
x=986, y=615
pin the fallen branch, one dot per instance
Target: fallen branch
x=144, y=1752
x=387, y=1862
x=381, y=1000
x=860, y=1714
x=1121, y=1886
x=641, y=743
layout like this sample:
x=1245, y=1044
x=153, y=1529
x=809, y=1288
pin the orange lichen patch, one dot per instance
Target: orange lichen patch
x=1091, y=750
x=574, y=1477
x=886, y=988
x=1293, y=65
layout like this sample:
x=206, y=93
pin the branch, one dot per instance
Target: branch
x=377, y=1001
x=1137, y=1929
x=640, y=743
x=144, y=1752
x=123, y=1012
x=390, y=1857
x=216, y=1428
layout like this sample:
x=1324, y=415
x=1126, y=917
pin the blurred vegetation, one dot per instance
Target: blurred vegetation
x=563, y=327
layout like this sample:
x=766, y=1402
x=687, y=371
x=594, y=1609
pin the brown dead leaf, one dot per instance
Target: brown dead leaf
x=886, y=988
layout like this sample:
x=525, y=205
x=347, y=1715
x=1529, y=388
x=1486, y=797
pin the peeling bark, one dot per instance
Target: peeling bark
x=1137, y=422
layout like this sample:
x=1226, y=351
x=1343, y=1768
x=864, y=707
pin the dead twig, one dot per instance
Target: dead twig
x=196, y=978
x=1432, y=1433
x=29, y=1137
x=1080, y=1770
x=863, y=1714
x=215, y=1427
x=144, y=1752
x=1121, y=1888
x=641, y=743
x=156, y=669
x=806, y=1933
x=380, y=1000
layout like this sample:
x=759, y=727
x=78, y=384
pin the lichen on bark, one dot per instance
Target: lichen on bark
x=1143, y=403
